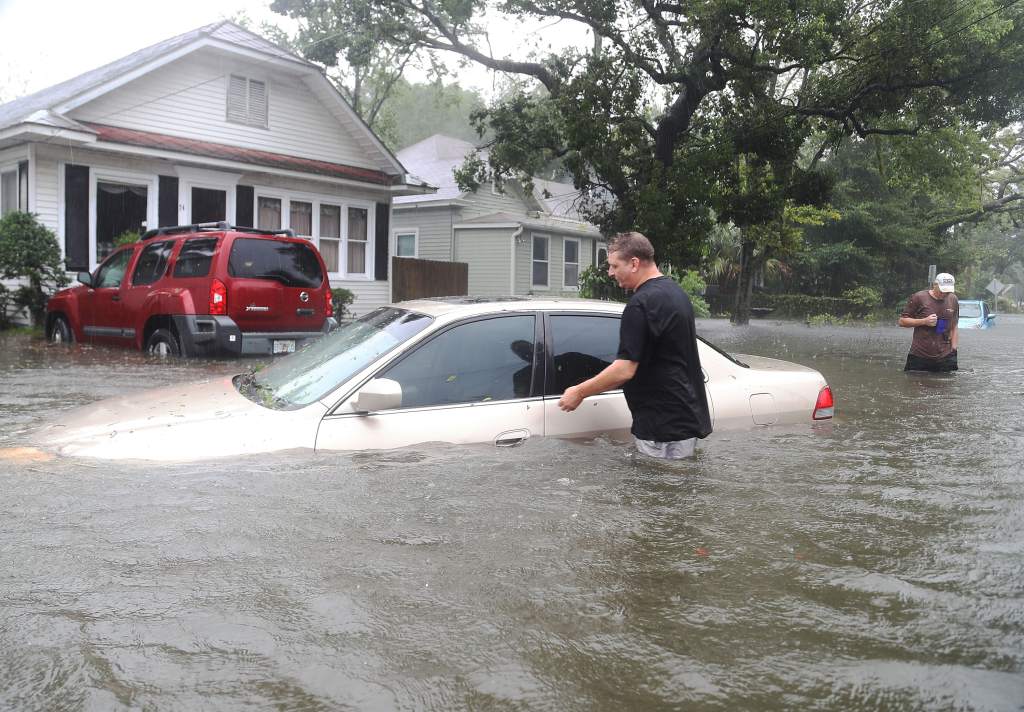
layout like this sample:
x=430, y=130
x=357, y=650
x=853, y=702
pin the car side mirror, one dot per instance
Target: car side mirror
x=85, y=278
x=378, y=394
x=991, y=317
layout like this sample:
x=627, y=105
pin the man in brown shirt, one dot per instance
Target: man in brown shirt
x=933, y=315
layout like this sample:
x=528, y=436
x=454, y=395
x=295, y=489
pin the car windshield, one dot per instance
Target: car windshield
x=297, y=380
x=971, y=310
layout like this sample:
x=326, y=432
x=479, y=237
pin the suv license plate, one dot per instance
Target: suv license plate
x=284, y=346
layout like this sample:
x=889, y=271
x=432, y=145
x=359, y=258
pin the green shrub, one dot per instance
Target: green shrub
x=29, y=252
x=803, y=306
x=596, y=284
x=5, y=304
x=691, y=282
x=342, y=298
x=126, y=238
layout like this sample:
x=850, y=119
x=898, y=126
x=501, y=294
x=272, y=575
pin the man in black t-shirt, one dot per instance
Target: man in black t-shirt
x=657, y=364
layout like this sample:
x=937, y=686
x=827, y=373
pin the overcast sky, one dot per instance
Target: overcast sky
x=43, y=42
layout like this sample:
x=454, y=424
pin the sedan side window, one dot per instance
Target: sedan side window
x=112, y=271
x=481, y=361
x=582, y=347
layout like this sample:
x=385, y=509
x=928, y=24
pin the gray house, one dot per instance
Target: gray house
x=514, y=243
x=215, y=124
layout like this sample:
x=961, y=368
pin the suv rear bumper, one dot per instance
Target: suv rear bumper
x=203, y=335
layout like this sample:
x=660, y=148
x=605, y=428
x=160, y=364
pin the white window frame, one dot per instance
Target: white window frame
x=248, y=105
x=415, y=232
x=99, y=174
x=342, y=202
x=542, y=236
x=189, y=178
x=285, y=208
x=13, y=168
x=566, y=241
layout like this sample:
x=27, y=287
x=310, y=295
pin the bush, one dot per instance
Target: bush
x=341, y=298
x=691, y=282
x=29, y=251
x=804, y=305
x=596, y=284
x=5, y=303
x=126, y=238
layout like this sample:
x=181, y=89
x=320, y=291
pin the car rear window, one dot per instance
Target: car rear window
x=971, y=310
x=195, y=257
x=291, y=263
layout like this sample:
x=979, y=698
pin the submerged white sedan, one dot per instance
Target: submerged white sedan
x=457, y=370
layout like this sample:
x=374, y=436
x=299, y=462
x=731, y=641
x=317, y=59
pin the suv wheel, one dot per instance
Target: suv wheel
x=163, y=343
x=59, y=331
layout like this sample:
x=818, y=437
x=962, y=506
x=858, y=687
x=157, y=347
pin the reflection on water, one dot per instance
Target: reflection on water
x=871, y=563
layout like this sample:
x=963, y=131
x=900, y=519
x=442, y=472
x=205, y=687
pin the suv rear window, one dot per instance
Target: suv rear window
x=292, y=263
x=195, y=257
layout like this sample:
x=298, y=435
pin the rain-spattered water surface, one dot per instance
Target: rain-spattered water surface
x=875, y=563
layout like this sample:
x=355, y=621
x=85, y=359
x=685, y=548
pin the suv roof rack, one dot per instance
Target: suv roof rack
x=212, y=226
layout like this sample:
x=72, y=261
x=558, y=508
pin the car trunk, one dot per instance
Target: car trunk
x=276, y=286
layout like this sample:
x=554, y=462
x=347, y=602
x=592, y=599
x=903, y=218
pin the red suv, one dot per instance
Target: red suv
x=200, y=290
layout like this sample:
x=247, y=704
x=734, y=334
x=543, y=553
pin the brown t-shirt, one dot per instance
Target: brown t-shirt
x=929, y=342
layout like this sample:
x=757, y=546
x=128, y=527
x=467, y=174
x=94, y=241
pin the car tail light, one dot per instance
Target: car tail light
x=328, y=302
x=825, y=407
x=218, y=298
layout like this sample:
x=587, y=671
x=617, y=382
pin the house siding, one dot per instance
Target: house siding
x=484, y=202
x=488, y=253
x=188, y=98
x=556, y=272
x=434, y=241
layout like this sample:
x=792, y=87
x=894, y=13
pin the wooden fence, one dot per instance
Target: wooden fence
x=415, y=279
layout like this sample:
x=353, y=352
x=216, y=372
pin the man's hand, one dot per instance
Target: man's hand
x=930, y=320
x=571, y=399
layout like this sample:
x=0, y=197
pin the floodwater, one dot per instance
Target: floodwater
x=876, y=563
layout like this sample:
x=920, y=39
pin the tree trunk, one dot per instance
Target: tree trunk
x=744, y=284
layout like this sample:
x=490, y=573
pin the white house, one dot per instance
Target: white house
x=215, y=124
x=514, y=243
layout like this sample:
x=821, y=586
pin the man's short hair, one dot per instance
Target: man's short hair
x=630, y=245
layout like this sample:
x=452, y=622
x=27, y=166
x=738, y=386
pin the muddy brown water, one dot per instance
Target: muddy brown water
x=876, y=563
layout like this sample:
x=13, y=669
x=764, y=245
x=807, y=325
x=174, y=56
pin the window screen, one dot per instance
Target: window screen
x=583, y=347
x=195, y=257
x=482, y=361
x=291, y=263
x=152, y=263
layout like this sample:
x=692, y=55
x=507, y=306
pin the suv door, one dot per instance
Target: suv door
x=275, y=285
x=135, y=293
x=579, y=346
x=101, y=305
x=472, y=383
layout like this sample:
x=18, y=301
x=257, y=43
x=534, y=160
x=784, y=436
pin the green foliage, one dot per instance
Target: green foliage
x=29, y=251
x=691, y=282
x=5, y=306
x=805, y=305
x=417, y=111
x=126, y=238
x=342, y=299
x=864, y=299
x=596, y=284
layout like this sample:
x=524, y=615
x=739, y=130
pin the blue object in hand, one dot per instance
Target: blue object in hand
x=940, y=325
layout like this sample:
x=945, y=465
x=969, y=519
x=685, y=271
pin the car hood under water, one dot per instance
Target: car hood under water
x=178, y=423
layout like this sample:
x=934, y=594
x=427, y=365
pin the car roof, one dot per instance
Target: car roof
x=459, y=307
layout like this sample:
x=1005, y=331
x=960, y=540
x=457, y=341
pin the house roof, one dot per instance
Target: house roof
x=18, y=110
x=434, y=160
x=46, y=108
x=536, y=221
x=146, y=139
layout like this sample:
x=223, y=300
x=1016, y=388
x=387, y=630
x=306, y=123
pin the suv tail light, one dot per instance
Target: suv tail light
x=825, y=407
x=218, y=298
x=328, y=302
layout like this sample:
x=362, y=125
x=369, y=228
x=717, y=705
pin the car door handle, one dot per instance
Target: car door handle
x=511, y=438
x=115, y=298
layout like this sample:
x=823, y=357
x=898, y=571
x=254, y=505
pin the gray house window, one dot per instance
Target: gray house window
x=540, y=261
x=247, y=101
x=8, y=191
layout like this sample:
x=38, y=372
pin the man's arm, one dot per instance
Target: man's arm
x=614, y=375
x=908, y=321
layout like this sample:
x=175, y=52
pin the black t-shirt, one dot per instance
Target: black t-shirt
x=666, y=396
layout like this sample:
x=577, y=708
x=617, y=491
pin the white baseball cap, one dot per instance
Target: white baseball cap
x=945, y=281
